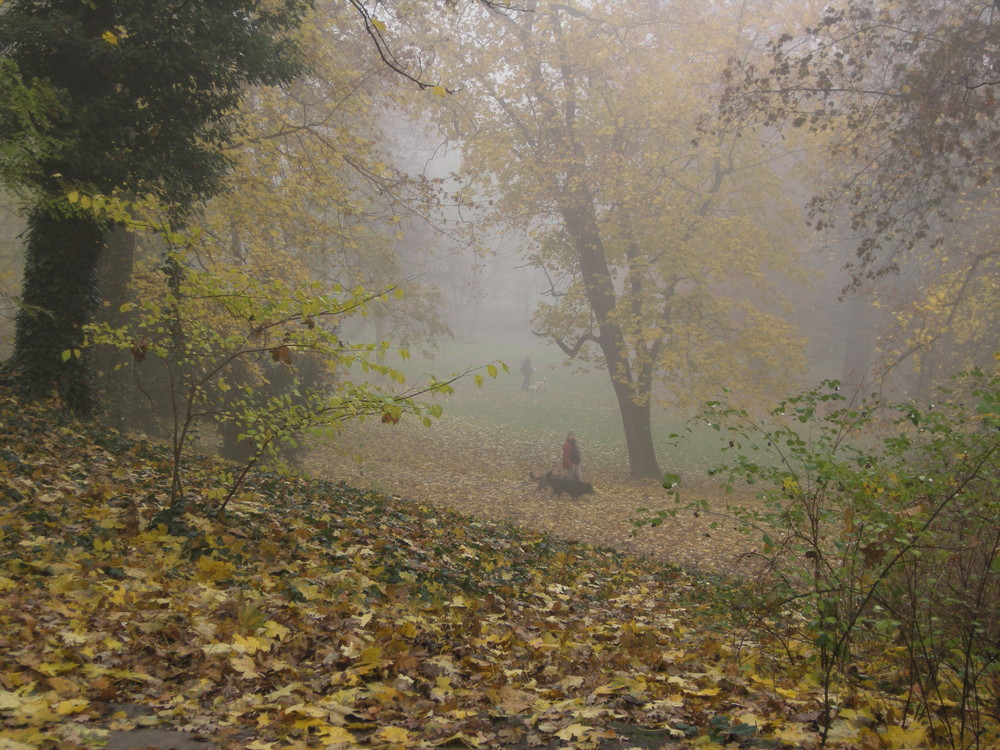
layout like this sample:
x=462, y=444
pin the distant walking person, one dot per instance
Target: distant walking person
x=571, y=458
x=526, y=370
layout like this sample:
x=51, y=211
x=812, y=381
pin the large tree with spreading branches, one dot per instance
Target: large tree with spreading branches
x=580, y=122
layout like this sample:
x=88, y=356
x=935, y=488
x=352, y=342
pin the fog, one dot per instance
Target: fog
x=567, y=184
x=500, y=373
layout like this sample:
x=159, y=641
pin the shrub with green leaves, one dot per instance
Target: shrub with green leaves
x=879, y=527
x=219, y=340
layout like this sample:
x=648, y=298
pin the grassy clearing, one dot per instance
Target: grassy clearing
x=573, y=399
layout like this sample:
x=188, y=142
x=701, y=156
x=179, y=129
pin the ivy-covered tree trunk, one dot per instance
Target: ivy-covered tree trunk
x=116, y=390
x=59, y=295
x=145, y=101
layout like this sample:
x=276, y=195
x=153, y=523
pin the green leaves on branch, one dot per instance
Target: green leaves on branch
x=877, y=523
x=263, y=358
x=26, y=110
x=142, y=214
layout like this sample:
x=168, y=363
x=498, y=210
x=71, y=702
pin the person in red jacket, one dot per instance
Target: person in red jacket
x=571, y=458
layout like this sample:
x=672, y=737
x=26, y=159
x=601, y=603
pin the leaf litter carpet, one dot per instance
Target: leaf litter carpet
x=477, y=469
x=315, y=614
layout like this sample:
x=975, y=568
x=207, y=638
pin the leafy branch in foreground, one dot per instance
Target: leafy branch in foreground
x=261, y=359
x=878, y=527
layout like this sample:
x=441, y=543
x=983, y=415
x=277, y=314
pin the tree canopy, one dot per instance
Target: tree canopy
x=910, y=90
x=316, y=193
x=905, y=95
x=583, y=124
x=149, y=91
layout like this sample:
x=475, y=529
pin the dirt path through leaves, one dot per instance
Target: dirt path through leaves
x=478, y=470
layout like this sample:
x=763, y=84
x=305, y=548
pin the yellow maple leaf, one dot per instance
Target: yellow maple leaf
x=250, y=644
x=398, y=735
x=843, y=731
x=573, y=731
x=275, y=630
x=65, y=688
x=10, y=701
x=118, y=594
x=71, y=706
x=284, y=691
x=675, y=701
x=900, y=738
x=795, y=734
x=245, y=666
x=213, y=569
x=442, y=687
x=53, y=668
x=309, y=591
x=306, y=709
x=332, y=734
x=26, y=708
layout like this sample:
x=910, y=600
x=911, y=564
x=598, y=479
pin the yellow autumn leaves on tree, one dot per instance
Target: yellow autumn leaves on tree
x=590, y=128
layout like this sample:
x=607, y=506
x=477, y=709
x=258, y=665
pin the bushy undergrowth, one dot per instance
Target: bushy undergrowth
x=262, y=361
x=880, y=530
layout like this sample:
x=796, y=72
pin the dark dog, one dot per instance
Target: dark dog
x=541, y=482
x=572, y=487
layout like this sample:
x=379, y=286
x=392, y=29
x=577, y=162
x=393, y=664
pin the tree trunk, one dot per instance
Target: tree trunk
x=116, y=390
x=638, y=426
x=562, y=152
x=59, y=295
x=634, y=404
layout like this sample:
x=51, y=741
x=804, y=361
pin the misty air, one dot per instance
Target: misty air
x=513, y=374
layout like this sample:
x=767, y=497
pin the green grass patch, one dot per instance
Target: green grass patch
x=573, y=399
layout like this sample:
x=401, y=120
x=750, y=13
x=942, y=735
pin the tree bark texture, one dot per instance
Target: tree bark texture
x=59, y=295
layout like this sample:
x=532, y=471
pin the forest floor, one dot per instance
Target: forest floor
x=311, y=613
x=481, y=470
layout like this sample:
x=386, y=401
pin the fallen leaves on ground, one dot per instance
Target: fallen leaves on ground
x=313, y=614
x=478, y=469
